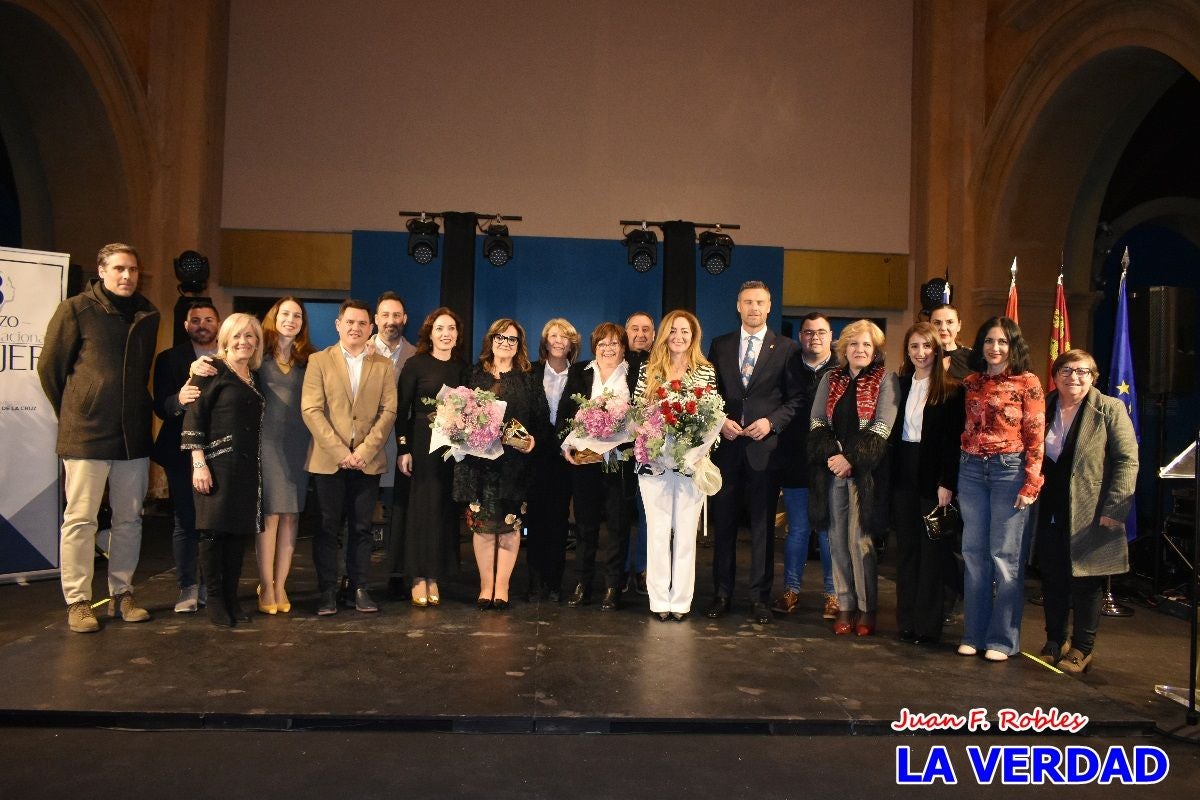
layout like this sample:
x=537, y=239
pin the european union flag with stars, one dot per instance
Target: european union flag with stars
x=1120, y=380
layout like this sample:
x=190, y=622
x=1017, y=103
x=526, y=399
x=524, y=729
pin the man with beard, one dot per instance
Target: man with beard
x=172, y=393
x=391, y=315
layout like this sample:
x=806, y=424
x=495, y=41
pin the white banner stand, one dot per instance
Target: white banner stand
x=32, y=284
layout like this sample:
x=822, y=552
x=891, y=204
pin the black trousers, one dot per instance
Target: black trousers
x=1063, y=592
x=758, y=492
x=347, y=495
x=920, y=562
x=597, y=492
x=548, y=506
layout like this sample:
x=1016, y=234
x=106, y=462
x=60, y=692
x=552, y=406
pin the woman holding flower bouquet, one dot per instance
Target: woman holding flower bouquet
x=680, y=414
x=494, y=489
x=853, y=412
x=593, y=419
x=431, y=542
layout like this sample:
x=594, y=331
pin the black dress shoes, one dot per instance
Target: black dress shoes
x=500, y=605
x=484, y=603
x=762, y=613
x=663, y=616
x=580, y=597
x=720, y=605
x=679, y=616
x=554, y=596
x=328, y=603
x=611, y=601
x=363, y=601
x=908, y=635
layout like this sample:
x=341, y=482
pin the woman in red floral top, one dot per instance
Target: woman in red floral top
x=999, y=476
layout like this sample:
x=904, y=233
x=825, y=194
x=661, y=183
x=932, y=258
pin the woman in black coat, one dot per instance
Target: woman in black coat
x=604, y=486
x=222, y=429
x=925, y=441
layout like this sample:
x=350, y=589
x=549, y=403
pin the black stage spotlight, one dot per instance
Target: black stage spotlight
x=497, y=247
x=422, y=239
x=191, y=270
x=642, y=244
x=716, y=251
x=934, y=292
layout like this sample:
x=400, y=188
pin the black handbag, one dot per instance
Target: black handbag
x=943, y=523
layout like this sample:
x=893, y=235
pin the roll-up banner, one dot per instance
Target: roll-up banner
x=32, y=284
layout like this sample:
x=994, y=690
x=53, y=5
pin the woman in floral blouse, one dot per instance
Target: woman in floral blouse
x=998, y=480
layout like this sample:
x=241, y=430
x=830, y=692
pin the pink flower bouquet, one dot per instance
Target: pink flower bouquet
x=468, y=422
x=600, y=424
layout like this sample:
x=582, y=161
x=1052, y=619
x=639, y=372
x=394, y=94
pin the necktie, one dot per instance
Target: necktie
x=749, y=359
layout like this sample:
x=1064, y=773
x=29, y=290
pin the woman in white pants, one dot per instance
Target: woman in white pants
x=671, y=499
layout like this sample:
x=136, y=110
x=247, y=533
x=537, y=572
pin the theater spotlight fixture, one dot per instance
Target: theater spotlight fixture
x=716, y=251
x=422, y=239
x=642, y=244
x=497, y=247
x=191, y=270
x=934, y=292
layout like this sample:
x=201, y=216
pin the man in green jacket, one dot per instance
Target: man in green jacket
x=95, y=367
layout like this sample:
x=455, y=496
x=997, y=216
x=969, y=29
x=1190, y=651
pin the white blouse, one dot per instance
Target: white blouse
x=914, y=410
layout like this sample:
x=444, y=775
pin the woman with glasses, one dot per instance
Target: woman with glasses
x=852, y=416
x=603, y=486
x=549, y=503
x=1090, y=469
x=999, y=476
x=495, y=490
x=431, y=521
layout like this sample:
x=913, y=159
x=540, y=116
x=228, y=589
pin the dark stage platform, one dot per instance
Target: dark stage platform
x=541, y=668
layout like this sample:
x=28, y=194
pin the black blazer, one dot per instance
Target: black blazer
x=170, y=374
x=579, y=381
x=941, y=433
x=775, y=391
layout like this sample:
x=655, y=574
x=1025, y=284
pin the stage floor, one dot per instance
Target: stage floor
x=542, y=668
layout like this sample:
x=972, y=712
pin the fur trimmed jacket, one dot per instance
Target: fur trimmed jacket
x=865, y=447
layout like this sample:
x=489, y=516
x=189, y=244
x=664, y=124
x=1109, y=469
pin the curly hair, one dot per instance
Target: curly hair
x=1018, y=351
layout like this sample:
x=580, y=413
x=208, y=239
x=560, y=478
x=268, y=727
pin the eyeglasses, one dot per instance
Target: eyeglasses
x=1079, y=372
x=500, y=338
x=814, y=334
x=607, y=345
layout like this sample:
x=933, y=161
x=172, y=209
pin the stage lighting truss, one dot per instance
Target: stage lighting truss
x=642, y=244
x=422, y=239
x=716, y=251
x=191, y=270
x=497, y=247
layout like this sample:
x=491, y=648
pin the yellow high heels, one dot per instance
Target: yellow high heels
x=284, y=604
x=265, y=608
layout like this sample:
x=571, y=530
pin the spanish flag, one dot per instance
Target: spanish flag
x=1060, y=332
x=1010, y=310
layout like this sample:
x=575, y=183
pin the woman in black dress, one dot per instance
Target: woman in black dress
x=222, y=429
x=495, y=489
x=431, y=546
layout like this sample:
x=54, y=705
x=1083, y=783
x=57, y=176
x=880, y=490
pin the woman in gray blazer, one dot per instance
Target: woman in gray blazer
x=1090, y=470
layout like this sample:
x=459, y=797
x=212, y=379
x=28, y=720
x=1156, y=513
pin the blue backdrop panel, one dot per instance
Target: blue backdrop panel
x=379, y=261
x=716, y=295
x=587, y=281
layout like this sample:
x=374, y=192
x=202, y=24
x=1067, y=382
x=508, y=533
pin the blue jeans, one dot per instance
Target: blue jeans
x=795, y=546
x=185, y=542
x=994, y=548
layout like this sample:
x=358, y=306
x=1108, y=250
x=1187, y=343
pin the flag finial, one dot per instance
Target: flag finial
x=1125, y=262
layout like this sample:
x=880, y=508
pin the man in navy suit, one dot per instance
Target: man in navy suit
x=170, y=395
x=757, y=376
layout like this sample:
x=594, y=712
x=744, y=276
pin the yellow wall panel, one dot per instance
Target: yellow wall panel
x=285, y=259
x=819, y=279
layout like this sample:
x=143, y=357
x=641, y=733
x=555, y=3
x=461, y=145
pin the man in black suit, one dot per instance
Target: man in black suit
x=170, y=396
x=757, y=376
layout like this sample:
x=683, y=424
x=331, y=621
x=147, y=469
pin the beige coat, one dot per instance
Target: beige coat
x=1103, y=475
x=339, y=423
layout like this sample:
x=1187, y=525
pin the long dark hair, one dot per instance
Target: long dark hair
x=425, y=335
x=940, y=382
x=1018, y=351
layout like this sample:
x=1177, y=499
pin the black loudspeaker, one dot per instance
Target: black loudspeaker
x=1162, y=322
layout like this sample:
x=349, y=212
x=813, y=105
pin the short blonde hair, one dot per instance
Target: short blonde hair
x=568, y=330
x=235, y=323
x=853, y=331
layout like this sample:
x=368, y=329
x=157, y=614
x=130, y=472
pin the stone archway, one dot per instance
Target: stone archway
x=76, y=130
x=1053, y=141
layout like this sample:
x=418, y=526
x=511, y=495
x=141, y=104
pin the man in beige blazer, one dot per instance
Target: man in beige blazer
x=349, y=405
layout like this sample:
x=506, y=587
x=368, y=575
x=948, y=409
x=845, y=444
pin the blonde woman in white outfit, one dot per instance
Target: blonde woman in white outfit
x=671, y=499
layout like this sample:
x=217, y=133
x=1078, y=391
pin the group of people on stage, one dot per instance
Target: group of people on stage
x=250, y=412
